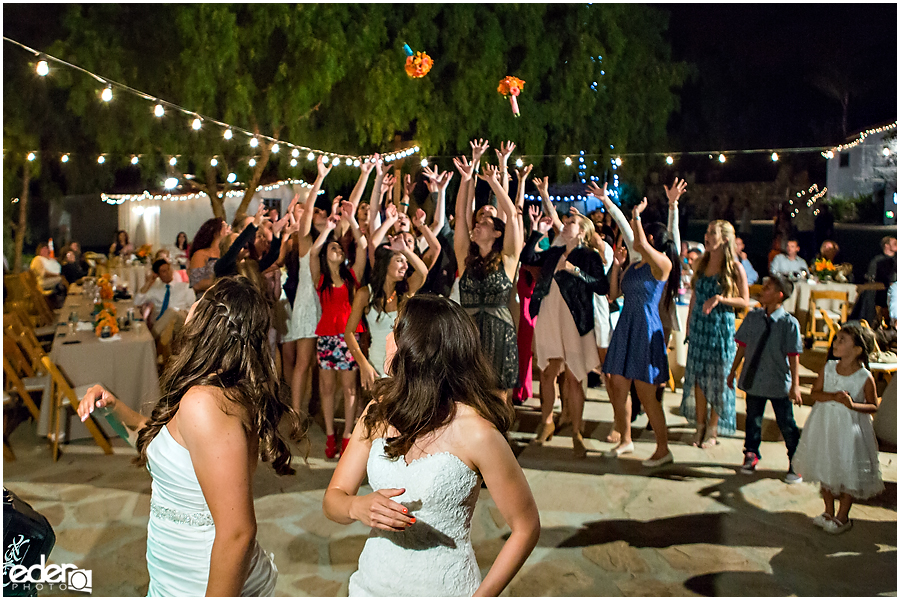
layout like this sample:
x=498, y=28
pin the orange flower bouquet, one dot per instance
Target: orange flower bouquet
x=418, y=65
x=106, y=288
x=511, y=86
x=105, y=319
x=825, y=269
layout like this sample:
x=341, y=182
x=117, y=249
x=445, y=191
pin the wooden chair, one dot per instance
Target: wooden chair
x=19, y=310
x=64, y=400
x=21, y=378
x=45, y=315
x=27, y=341
x=832, y=318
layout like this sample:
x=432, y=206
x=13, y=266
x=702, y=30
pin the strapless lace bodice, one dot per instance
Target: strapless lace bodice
x=433, y=557
x=181, y=532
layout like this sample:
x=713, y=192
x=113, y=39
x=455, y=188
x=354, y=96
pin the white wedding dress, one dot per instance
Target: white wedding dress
x=181, y=532
x=434, y=556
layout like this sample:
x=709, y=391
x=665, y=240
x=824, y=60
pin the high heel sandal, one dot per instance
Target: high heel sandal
x=578, y=447
x=330, y=446
x=699, y=436
x=545, y=434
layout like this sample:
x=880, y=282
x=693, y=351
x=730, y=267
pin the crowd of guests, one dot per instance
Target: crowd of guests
x=418, y=326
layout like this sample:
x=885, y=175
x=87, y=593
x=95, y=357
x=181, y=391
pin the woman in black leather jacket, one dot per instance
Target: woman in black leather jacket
x=571, y=272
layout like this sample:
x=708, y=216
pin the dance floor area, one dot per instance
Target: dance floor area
x=609, y=526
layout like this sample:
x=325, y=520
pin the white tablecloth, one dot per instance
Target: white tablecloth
x=131, y=276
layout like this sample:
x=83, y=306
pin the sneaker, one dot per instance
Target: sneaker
x=792, y=478
x=750, y=462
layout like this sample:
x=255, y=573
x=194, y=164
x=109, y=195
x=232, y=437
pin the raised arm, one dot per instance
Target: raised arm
x=314, y=267
x=390, y=217
x=375, y=198
x=503, y=159
x=324, y=168
x=512, y=238
x=660, y=264
x=463, y=228
x=365, y=169
x=440, y=183
x=543, y=187
x=522, y=177
x=420, y=271
x=349, y=215
x=434, y=246
x=619, y=217
x=673, y=194
x=479, y=147
x=409, y=186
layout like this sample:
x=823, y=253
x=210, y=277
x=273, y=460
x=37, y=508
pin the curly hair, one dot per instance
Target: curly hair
x=439, y=363
x=224, y=345
x=206, y=234
x=728, y=276
x=482, y=266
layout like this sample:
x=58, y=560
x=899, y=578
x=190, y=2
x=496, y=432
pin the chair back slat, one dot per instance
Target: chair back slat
x=44, y=312
x=17, y=384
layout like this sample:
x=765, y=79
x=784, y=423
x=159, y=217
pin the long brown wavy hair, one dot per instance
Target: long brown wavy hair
x=482, y=266
x=439, y=363
x=728, y=274
x=225, y=345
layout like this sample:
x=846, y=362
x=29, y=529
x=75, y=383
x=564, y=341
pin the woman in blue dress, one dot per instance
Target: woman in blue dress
x=720, y=288
x=637, y=351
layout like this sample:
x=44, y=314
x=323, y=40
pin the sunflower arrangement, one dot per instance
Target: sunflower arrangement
x=825, y=269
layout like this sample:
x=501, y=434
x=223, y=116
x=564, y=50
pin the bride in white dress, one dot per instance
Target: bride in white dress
x=432, y=434
x=218, y=416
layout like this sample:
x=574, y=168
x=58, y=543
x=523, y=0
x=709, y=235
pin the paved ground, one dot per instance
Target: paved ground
x=609, y=526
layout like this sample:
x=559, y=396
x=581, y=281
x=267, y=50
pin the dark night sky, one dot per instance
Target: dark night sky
x=755, y=68
x=757, y=64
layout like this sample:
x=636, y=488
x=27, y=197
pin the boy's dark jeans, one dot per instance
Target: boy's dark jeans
x=784, y=416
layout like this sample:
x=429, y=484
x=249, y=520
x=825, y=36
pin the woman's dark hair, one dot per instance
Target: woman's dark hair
x=438, y=363
x=120, y=245
x=206, y=234
x=378, y=299
x=347, y=276
x=663, y=243
x=178, y=243
x=863, y=337
x=482, y=266
x=225, y=345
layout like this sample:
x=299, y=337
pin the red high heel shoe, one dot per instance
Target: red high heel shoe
x=344, y=442
x=330, y=446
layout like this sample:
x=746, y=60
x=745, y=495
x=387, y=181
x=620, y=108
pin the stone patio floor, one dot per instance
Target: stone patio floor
x=609, y=526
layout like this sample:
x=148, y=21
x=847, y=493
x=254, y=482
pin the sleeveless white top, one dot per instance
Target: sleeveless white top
x=380, y=325
x=433, y=557
x=181, y=532
x=307, y=310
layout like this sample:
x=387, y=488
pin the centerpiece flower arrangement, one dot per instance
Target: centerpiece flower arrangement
x=144, y=253
x=105, y=318
x=824, y=269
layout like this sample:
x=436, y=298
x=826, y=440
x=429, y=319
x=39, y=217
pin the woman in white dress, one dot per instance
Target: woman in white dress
x=434, y=431
x=219, y=414
x=379, y=301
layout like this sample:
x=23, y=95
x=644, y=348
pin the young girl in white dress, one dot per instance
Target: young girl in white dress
x=218, y=415
x=433, y=432
x=838, y=447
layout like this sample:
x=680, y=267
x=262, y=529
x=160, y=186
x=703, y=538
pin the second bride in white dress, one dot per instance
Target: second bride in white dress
x=432, y=434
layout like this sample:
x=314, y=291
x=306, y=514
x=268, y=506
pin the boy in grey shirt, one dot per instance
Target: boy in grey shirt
x=770, y=337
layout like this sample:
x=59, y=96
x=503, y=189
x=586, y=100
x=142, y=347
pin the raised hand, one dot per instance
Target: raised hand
x=347, y=210
x=544, y=225
x=419, y=220
x=621, y=254
x=366, y=166
x=390, y=213
x=431, y=173
x=464, y=167
x=523, y=173
x=396, y=243
x=332, y=222
x=260, y=217
x=596, y=191
x=542, y=184
x=323, y=166
x=534, y=215
x=409, y=185
x=387, y=183
x=674, y=193
x=638, y=209
x=444, y=180
x=479, y=147
x=491, y=173
x=379, y=164
x=505, y=150
x=280, y=224
x=336, y=206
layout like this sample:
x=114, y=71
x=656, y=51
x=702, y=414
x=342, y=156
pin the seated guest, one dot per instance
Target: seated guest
x=121, y=247
x=789, y=263
x=73, y=270
x=752, y=275
x=883, y=269
x=828, y=250
x=170, y=302
x=47, y=271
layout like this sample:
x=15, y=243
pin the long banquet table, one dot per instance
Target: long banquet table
x=126, y=366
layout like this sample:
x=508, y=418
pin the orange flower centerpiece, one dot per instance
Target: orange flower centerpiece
x=825, y=269
x=511, y=86
x=106, y=288
x=106, y=319
x=144, y=252
x=418, y=65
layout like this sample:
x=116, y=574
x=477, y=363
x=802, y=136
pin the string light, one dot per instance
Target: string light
x=171, y=183
x=519, y=162
x=195, y=125
x=173, y=161
x=134, y=160
x=774, y=157
x=43, y=69
x=232, y=177
x=65, y=158
x=275, y=149
x=568, y=161
x=293, y=162
x=356, y=163
x=31, y=156
x=618, y=161
x=295, y=152
x=424, y=163
x=159, y=110
x=101, y=159
x=310, y=156
x=348, y=162
x=670, y=160
x=227, y=135
x=859, y=140
x=254, y=142
x=106, y=95
x=213, y=162
x=121, y=198
x=722, y=158
x=252, y=162
x=336, y=161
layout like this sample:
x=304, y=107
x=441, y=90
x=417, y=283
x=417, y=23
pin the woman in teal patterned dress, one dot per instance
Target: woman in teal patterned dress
x=720, y=289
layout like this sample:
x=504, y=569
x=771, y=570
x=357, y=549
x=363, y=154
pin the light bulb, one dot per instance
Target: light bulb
x=424, y=162
x=336, y=161
x=101, y=159
x=275, y=149
x=670, y=160
x=231, y=178
x=106, y=94
x=213, y=162
x=568, y=161
x=171, y=183
x=348, y=162
x=721, y=158
x=356, y=163
x=415, y=149
x=134, y=160
x=65, y=158
x=227, y=135
x=310, y=156
x=254, y=142
x=886, y=152
x=618, y=161
x=519, y=162
x=173, y=161
x=252, y=162
x=295, y=153
x=31, y=156
x=293, y=162
x=159, y=110
x=196, y=124
x=774, y=157
x=43, y=68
